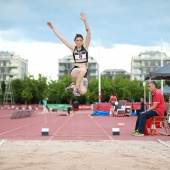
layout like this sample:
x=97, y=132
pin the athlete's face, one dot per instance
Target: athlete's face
x=79, y=41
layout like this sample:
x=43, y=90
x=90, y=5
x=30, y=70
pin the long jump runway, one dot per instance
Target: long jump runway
x=80, y=126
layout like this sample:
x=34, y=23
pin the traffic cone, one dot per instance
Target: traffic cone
x=153, y=130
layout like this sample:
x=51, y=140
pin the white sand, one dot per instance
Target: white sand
x=84, y=155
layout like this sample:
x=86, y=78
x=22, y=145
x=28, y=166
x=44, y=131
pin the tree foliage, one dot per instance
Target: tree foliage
x=3, y=86
x=31, y=90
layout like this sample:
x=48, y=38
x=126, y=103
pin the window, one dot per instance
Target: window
x=6, y=70
x=7, y=63
x=144, y=70
x=136, y=70
x=149, y=63
x=7, y=77
x=138, y=77
x=143, y=63
x=137, y=64
x=156, y=63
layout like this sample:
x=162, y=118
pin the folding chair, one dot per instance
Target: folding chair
x=121, y=109
x=166, y=125
x=160, y=122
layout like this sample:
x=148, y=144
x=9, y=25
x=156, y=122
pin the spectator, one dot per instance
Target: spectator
x=113, y=101
x=44, y=102
x=69, y=109
x=142, y=107
x=157, y=109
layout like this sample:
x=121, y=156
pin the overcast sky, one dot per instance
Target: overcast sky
x=124, y=27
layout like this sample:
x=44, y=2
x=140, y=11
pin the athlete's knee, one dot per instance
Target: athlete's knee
x=74, y=75
x=83, y=90
x=83, y=70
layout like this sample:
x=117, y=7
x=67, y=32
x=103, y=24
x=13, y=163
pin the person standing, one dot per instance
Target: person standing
x=157, y=109
x=44, y=102
x=80, y=55
x=113, y=101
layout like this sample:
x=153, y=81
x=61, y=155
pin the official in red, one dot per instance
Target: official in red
x=157, y=109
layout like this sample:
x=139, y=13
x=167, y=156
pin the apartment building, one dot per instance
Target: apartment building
x=12, y=66
x=66, y=63
x=111, y=73
x=147, y=62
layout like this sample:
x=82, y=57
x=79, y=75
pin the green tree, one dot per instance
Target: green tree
x=17, y=88
x=26, y=95
x=41, y=88
x=122, y=88
x=137, y=90
x=52, y=91
x=1, y=97
x=106, y=88
x=31, y=90
x=92, y=92
x=3, y=87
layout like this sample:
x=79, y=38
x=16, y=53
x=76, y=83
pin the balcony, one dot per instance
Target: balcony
x=13, y=65
x=13, y=74
x=62, y=68
x=93, y=74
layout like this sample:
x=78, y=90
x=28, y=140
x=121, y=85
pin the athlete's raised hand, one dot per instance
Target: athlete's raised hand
x=83, y=16
x=50, y=25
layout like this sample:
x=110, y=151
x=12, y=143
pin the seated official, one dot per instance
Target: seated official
x=157, y=109
x=142, y=107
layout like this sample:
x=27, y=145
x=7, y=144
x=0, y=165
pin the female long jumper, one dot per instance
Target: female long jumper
x=80, y=55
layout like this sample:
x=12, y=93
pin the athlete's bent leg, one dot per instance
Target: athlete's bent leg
x=83, y=86
x=78, y=74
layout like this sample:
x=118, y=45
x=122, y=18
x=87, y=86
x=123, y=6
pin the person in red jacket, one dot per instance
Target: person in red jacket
x=113, y=101
x=157, y=109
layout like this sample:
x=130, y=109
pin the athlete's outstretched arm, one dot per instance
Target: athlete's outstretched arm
x=88, y=36
x=60, y=36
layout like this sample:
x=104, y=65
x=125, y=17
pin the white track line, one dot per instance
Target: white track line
x=2, y=141
x=163, y=142
x=19, y=127
x=5, y=116
x=58, y=129
x=78, y=135
x=102, y=129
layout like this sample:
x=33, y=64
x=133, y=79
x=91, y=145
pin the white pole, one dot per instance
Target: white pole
x=149, y=96
x=161, y=65
x=144, y=85
x=99, y=92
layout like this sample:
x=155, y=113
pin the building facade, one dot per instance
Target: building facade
x=12, y=66
x=147, y=62
x=111, y=73
x=66, y=63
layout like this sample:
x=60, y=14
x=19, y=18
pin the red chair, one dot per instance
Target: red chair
x=158, y=122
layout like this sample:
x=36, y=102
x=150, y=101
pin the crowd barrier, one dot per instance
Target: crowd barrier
x=97, y=106
x=106, y=106
x=21, y=107
x=40, y=106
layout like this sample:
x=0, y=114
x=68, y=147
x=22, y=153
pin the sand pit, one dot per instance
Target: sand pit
x=84, y=155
